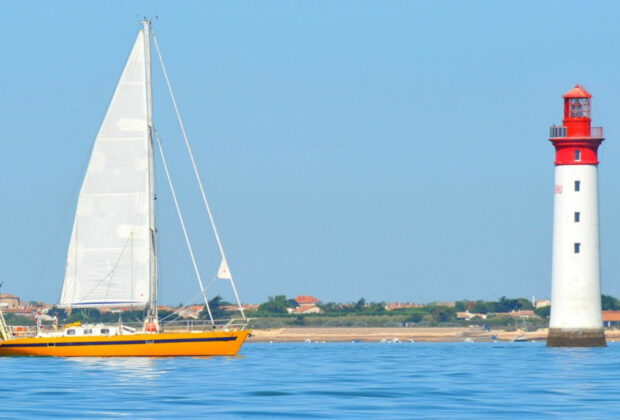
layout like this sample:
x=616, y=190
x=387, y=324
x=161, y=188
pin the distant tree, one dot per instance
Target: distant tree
x=275, y=305
x=329, y=307
x=470, y=305
x=543, y=312
x=415, y=317
x=360, y=304
x=61, y=312
x=130, y=316
x=279, y=298
x=442, y=313
x=374, y=308
x=609, y=303
x=526, y=304
x=165, y=314
x=216, y=305
x=300, y=320
x=491, y=306
x=460, y=306
x=84, y=315
x=507, y=305
x=480, y=308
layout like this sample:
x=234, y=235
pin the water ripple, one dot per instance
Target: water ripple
x=335, y=381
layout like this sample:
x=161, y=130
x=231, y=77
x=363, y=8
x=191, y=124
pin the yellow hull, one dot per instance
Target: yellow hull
x=213, y=343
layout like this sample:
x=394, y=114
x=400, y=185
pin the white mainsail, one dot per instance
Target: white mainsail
x=111, y=254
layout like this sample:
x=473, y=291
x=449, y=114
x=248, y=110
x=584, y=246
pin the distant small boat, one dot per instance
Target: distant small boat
x=521, y=337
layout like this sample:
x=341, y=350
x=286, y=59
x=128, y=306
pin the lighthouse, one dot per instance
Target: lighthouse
x=576, y=319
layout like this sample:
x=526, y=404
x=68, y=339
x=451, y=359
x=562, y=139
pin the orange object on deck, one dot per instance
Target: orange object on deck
x=19, y=331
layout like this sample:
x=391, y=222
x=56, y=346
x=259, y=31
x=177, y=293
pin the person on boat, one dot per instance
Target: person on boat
x=55, y=322
x=39, y=320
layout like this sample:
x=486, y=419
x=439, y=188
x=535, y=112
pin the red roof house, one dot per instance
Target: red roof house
x=306, y=300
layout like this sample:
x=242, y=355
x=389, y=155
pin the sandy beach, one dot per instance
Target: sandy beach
x=402, y=334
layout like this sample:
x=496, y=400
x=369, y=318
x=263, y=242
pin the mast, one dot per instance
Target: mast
x=152, y=311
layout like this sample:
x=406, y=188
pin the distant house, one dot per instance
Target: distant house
x=304, y=300
x=115, y=309
x=524, y=313
x=467, y=316
x=307, y=305
x=246, y=307
x=304, y=310
x=402, y=305
x=447, y=304
x=542, y=303
x=9, y=301
x=192, y=312
x=611, y=318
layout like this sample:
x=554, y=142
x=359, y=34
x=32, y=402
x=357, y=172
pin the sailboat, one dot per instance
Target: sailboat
x=522, y=337
x=112, y=254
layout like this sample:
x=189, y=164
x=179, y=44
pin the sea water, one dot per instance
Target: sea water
x=331, y=381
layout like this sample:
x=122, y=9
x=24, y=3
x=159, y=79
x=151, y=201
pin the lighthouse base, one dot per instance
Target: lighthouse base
x=576, y=337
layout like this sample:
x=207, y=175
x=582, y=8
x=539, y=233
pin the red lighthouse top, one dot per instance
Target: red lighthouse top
x=576, y=142
x=577, y=92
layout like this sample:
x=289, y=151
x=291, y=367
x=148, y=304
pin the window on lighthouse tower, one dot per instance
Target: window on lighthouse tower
x=577, y=216
x=577, y=247
x=577, y=155
x=577, y=185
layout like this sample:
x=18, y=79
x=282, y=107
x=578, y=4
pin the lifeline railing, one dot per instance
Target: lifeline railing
x=180, y=325
x=203, y=325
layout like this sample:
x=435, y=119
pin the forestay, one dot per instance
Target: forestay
x=112, y=247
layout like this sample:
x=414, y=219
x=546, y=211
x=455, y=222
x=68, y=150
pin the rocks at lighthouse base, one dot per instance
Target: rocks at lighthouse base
x=576, y=337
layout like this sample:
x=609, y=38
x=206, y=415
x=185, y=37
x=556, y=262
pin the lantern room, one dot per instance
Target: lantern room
x=576, y=142
x=577, y=112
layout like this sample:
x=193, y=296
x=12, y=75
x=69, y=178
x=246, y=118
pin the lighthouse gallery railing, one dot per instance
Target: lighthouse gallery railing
x=560, y=131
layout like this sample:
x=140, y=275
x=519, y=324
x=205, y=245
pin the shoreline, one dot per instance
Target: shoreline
x=379, y=334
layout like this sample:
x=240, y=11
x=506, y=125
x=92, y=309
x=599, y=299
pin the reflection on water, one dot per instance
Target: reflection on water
x=122, y=367
x=334, y=381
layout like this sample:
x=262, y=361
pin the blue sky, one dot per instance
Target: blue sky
x=386, y=150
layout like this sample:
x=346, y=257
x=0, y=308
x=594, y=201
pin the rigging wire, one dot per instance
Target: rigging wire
x=202, y=191
x=178, y=311
x=59, y=228
x=189, y=245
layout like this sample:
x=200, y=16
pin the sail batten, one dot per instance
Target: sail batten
x=110, y=253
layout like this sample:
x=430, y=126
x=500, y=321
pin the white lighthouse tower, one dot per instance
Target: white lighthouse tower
x=576, y=319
